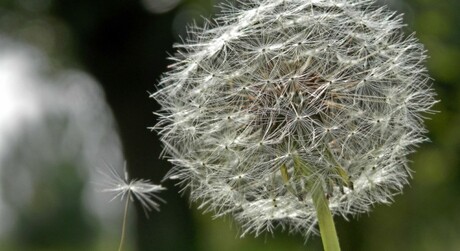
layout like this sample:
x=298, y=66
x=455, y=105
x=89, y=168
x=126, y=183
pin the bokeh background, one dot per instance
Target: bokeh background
x=74, y=83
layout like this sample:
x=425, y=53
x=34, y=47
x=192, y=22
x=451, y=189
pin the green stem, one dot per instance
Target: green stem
x=326, y=222
x=123, y=228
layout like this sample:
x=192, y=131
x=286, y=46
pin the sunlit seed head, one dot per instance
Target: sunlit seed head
x=281, y=97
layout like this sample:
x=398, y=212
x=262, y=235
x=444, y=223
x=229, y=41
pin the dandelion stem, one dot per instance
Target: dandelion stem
x=123, y=228
x=326, y=222
x=324, y=215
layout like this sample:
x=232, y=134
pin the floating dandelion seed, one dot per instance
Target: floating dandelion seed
x=141, y=190
x=285, y=112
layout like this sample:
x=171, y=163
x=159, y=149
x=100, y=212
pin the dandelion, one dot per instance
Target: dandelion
x=283, y=113
x=128, y=189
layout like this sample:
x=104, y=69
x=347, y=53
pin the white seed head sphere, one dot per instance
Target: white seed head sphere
x=280, y=97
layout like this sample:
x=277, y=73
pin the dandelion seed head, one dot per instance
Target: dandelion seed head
x=334, y=85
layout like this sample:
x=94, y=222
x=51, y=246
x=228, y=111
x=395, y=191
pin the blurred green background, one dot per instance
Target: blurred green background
x=74, y=82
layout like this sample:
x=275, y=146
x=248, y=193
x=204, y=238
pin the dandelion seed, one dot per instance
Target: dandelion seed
x=313, y=104
x=141, y=190
x=128, y=189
